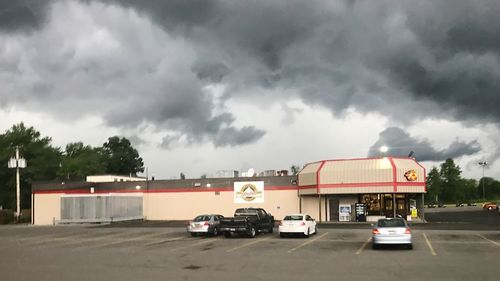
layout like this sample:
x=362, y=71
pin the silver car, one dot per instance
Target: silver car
x=391, y=232
x=204, y=224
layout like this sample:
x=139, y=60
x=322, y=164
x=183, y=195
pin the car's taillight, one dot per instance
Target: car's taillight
x=407, y=231
x=302, y=224
x=206, y=224
x=375, y=231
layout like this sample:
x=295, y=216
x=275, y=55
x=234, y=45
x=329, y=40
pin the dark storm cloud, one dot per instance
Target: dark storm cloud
x=407, y=60
x=22, y=15
x=400, y=143
x=213, y=72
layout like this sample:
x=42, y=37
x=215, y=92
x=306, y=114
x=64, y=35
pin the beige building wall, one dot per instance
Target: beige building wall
x=308, y=175
x=310, y=206
x=47, y=208
x=187, y=205
x=356, y=171
x=404, y=165
x=357, y=190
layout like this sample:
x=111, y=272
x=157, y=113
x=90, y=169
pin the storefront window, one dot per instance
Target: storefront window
x=372, y=202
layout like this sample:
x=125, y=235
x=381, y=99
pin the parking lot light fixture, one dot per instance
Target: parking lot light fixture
x=17, y=163
x=483, y=164
x=384, y=149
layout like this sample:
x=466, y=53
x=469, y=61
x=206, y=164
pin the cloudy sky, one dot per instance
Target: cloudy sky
x=206, y=85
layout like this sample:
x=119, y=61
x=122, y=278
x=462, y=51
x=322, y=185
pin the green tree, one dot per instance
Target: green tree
x=452, y=182
x=43, y=163
x=81, y=160
x=294, y=169
x=434, y=185
x=121, y=158
x=469, y=187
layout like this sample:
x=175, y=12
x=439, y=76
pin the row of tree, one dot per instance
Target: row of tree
x=47, y=162
x=447, y=185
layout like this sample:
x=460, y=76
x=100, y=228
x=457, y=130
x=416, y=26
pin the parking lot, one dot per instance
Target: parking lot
x=169, y=253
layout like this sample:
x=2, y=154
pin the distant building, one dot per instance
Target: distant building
x=113, y=178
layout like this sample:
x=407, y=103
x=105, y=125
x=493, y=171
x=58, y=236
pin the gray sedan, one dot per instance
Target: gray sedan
x=204, y=224
x=391, y=232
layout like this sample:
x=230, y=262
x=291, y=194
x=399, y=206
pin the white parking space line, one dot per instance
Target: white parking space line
x=52, y=240
x=168, y=240
x=126, y=240
x=489, y=240
x=247, y=244
x=363, y=246
x=85, y=240
x=204, y=241
x=307, y=242
x=429, y=245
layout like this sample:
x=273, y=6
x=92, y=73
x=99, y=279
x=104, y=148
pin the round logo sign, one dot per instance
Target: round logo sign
x=411, y=175
x=249, y=192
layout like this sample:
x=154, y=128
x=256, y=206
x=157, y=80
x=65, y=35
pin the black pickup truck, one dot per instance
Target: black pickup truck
x=248, y=221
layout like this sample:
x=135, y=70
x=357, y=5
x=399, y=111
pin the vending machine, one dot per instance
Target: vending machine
x=360, y=209
x=344, y=212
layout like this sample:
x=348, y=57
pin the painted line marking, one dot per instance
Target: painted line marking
x=49, y=238
x=429, y=244
x=363, y=246
x=131, y=239
x=203, y=241
x=86, y=240
x=247, y=244
x=489, y=240
x=167, y=240
x=307, y=243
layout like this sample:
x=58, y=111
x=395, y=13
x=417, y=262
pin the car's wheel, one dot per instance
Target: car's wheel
x=308, y=233
x=271, y=229
x=252, y=232
x=409, y=246
x=375, y=246
x=215, y=232
x=315, y=230
x=194, y=234
x=282, y=235
x=227, y=234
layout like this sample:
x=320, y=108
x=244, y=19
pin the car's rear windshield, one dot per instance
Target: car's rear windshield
x=245, y=212
x=391, y=223
x=202, y=218
x=293, y=218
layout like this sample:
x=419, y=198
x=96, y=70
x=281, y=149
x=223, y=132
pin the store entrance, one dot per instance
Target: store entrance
x=334, y=209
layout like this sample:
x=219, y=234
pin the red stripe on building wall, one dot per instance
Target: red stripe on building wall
x=161, y=190
x=318, y=175
x=371, y=184
x=394, y=174
x=309, y=186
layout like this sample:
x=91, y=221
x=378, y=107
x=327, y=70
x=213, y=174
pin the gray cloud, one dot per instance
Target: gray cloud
x=400, y=143
x=430, y=58
x=22, y=15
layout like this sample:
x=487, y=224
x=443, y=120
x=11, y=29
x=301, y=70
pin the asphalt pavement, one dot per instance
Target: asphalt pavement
x=153, y=251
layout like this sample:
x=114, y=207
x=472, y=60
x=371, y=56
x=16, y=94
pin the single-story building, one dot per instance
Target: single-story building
x=328, y=190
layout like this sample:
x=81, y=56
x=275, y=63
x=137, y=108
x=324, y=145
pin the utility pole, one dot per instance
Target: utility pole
x=17, y=163
x=483, y=164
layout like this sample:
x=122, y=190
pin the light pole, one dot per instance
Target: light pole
x=483, y=164
x=17, y=163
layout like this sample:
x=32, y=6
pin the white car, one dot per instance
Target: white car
x=391, y=231
x=297, y=224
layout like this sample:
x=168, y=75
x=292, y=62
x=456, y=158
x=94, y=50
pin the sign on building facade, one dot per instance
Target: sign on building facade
x=249, y=192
